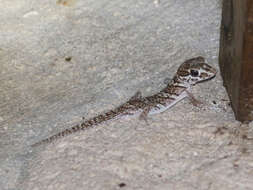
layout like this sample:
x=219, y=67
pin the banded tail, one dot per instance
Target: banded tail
x=79, y=127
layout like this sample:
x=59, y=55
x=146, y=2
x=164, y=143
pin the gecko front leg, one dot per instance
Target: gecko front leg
x=193, y=100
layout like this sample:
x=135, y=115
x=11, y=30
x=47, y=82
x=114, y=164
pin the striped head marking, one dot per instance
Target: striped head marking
x=194, y=71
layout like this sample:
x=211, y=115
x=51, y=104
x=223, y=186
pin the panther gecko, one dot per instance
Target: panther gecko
x=189, y=73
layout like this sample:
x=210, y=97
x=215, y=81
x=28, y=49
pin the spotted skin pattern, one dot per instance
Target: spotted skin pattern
x=189, y=73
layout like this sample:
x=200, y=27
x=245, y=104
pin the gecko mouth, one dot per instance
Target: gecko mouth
x=206, y=79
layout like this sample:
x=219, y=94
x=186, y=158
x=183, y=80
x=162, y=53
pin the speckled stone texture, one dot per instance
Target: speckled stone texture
x=61, y=60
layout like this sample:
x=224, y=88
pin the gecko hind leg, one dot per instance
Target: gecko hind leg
x=147, y=109
x=144, y=115
x=136, y=96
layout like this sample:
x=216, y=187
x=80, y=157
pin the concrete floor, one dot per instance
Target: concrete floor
x=61, y=60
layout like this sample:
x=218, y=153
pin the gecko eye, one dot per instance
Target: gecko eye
x=194, y=73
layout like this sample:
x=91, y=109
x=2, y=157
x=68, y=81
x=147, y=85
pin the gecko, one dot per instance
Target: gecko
x=189, y=73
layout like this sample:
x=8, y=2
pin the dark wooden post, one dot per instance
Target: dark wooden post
x=236, y=55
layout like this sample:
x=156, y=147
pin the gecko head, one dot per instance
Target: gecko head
x=194, y=71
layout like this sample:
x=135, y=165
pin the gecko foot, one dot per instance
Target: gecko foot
x=194, y=101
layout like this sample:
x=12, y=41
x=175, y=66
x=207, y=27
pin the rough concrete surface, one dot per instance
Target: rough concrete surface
x=61, y=60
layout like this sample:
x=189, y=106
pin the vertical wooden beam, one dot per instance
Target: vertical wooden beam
x=236, y=55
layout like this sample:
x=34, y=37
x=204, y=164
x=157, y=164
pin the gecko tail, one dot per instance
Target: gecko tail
x=87, y=124
x=59, y=135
